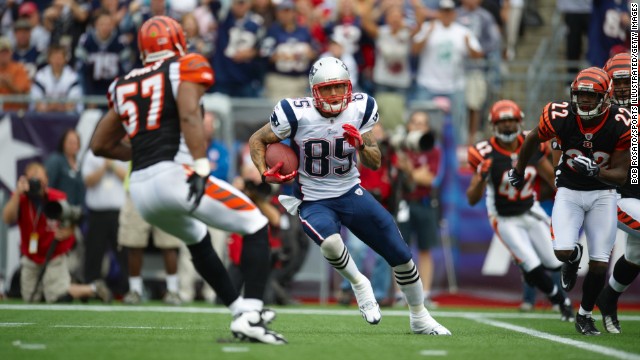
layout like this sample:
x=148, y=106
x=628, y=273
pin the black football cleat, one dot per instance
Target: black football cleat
x=586, y=325
x=608, y=305
x=569, y=272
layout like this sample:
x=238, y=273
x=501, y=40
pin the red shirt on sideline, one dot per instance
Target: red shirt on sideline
x=45, y=228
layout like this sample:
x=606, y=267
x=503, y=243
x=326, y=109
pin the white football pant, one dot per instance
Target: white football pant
x=160, y=191
x=594, y=210
x=528, y=238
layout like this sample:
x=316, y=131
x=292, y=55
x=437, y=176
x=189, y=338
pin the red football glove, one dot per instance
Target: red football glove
x=273, y=175
x=353, y=137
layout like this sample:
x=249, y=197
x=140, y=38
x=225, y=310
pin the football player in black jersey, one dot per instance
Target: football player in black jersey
x=159, y=108
x=627, y=267
x=594, y=137
x=516, y=216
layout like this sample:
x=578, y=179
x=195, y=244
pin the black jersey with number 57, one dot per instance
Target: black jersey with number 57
x=599, y=142
x=146, y=100
x=502, y=198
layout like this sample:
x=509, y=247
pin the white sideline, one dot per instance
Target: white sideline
x=296, y=311
x=618, y=354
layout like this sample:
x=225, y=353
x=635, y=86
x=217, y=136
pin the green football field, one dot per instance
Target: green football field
x=314, y=332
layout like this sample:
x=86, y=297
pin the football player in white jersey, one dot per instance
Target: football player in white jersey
x=327, y=131
x=627, y=267
x=158, y=108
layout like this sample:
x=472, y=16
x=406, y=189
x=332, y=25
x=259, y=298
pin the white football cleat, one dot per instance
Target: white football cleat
x=249, y=326
x=425, y=324
x=367, y=303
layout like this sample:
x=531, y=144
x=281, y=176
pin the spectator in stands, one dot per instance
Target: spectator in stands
x=195, y=42
x=239, y=33
x=115, y=8
x=23, y=50
x=39, y=236
x=480, y=76
x=101, y=56
x=289, y=50
x=420, y=169
x=392, y=74
x=40, y=36
x=609, y=28
x=133, y=234
x=510, y=20
x=442, y=46
x=69, y=18
x=14, y=78
x=576, y=17
x=57, y=80
x=266, y=9
x=346, y=25
x=103, y=179
x=63, y=168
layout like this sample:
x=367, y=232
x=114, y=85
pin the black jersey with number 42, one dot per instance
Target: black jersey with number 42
x=502, y=198
x=599, y=142
x=146, y=100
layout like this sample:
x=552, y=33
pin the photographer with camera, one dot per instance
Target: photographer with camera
x=419, y=161
x=45, y=241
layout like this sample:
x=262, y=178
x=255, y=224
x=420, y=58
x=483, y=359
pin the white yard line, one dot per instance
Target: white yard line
x=618, y=354
x=298, y=311
x=121, y=327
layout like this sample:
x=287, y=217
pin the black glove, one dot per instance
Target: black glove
x=197, y=186
x=586, y=166
x=516, y=180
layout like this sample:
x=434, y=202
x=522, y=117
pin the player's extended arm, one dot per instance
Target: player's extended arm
x=258, y=146
x=531, y=143
x=478, y=182
x=107, y=140
x=189, y=94
x=370, y=152
x=617, y=173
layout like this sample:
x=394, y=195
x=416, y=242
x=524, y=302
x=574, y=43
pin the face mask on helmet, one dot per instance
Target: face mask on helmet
x=621, y=91
x=590, y=93
x=330, y=85
x=506, y=112
x=619, y=70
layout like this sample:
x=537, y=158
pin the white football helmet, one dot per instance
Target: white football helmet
x=330, y=71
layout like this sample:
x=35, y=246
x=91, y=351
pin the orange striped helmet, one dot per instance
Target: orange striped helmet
x=159, y=38
x=506, y=110
x=619, y=70
x=590, y=93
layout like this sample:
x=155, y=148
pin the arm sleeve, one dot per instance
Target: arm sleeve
x=546, y=130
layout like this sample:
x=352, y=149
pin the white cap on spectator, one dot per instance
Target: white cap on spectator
x=447, y=4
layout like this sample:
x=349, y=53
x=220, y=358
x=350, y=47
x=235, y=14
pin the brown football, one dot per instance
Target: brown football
x=280, y=152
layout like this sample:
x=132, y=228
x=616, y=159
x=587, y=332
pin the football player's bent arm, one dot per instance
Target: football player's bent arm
x=531, y=143
x=189, y=94
x=476, y=189
x=258, y=146
x=370, y=153
x=617, y=173
x=545, y=170
x=107, y=140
